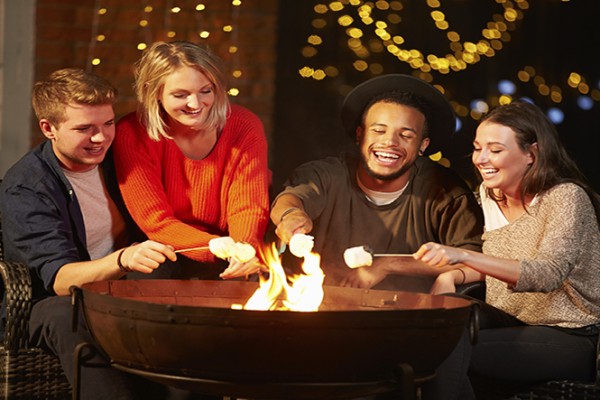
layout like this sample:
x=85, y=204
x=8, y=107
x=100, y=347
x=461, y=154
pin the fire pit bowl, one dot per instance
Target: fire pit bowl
x=185, y=334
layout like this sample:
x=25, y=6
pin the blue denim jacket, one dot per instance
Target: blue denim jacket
x=42, y=224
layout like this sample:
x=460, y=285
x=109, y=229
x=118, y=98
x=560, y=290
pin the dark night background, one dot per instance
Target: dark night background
x=555, y=37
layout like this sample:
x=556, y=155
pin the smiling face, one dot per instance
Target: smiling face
x=390, y=141
x=82, y=140
x=187, y=97
x=499, y=159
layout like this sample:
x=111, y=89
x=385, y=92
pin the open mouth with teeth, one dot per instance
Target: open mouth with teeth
x=95, y=150
x=386, y=157
x=189, y=112
x=487, y=172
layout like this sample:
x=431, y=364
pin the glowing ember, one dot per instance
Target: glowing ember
x=298, y=293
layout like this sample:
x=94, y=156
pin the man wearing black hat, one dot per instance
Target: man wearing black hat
x=389, y=196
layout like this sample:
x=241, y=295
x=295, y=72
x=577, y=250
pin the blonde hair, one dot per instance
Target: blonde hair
x=67, y=86
x=160, y=60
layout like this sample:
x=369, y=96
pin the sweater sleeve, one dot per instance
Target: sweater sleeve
x=249, y=177
x=310, y=183
x=451, y=210
x=565, y=211
x=139, y=168
x=186, y=203
x=39, y=232
x=461, y=223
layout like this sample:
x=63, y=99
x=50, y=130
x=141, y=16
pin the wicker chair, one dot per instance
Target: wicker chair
x=25, y=372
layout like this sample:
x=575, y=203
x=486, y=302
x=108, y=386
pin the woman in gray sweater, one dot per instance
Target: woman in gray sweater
x=541, y=253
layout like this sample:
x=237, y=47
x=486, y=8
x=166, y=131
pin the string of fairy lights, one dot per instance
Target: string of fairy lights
x=358, y=19
x=370, y=25
x=164, y=27
x=371, y=29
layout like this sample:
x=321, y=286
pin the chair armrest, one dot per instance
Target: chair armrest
x=472, y=289
x=597, y=383
x=18, y=292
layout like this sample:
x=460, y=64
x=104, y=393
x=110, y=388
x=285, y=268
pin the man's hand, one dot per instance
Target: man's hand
x=289, y=217
x=294, y=222
x=444, y=283
x=145, y=257
x=364, y=277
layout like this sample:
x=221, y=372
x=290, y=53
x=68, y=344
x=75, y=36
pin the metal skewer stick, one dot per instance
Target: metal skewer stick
x=392, y=255
x=192, y=248
x=369, y=250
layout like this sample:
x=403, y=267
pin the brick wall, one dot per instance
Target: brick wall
x=67, y=31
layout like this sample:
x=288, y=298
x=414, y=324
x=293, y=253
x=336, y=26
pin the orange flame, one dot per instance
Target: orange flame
x=302, y=293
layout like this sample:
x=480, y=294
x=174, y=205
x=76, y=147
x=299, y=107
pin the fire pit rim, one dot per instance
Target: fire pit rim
x=383, y=328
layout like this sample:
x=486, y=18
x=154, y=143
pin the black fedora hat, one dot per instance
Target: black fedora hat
x=441, y=122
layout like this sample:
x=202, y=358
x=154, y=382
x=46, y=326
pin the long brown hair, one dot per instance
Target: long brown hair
x=552, y=164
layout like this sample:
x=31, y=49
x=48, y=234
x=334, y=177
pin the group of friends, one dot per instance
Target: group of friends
x=103, y=199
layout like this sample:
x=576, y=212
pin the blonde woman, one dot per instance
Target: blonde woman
x=191, y=166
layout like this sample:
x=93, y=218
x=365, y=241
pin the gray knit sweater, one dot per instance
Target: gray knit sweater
x=558, y=245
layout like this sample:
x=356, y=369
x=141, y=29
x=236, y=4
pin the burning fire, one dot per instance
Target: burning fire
x=296, y=293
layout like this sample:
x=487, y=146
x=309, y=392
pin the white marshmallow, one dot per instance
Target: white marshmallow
x=222, y=247
x=359, y=256
x=243, y=252
x=301, y=244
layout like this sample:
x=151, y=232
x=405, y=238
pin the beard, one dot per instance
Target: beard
x=388, y=177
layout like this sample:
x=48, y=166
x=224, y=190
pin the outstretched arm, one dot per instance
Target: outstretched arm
x=143, y=257
x=440, y=256
x=289, y=216
x=447, y=282
x=369, y=276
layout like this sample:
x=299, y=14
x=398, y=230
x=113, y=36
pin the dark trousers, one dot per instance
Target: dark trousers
x=508, y=349
x=50, y=329
x=451, y=381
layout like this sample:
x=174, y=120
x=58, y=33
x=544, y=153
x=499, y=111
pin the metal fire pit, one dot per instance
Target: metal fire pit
x=185, y=334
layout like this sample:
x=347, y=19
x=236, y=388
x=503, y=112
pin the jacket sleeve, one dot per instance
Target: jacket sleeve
x=461, y=222
x=38, y=232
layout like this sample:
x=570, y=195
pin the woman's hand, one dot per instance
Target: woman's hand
x=238, y=268
x=364, y=277
x=437, y=255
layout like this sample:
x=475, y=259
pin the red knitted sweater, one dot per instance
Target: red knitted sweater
x=184, y=202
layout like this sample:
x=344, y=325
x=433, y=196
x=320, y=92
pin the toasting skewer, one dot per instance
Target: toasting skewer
x=192, y=249
x=362, y=256
x=226, y=248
